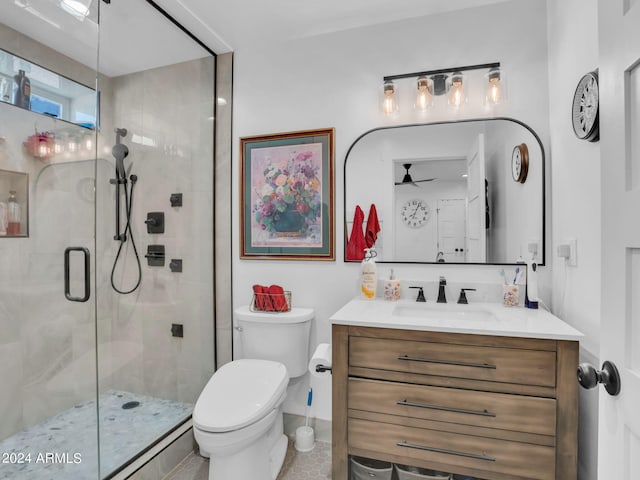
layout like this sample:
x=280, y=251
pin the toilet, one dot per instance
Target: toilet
x=237, y=420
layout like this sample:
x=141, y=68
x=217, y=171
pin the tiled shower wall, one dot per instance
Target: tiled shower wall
x=47, y=345
x=168, y=113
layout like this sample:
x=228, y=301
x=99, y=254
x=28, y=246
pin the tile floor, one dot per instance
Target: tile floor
x=71, y=436
x=314, y=465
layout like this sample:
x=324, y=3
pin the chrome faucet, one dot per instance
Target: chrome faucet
x=442, y=298
x=440, y=257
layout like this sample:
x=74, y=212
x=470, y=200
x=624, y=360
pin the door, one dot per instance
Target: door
x=451, y=221
x=619, y=420
x=476, y=221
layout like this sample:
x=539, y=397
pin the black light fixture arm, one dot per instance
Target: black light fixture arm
x=442, y=70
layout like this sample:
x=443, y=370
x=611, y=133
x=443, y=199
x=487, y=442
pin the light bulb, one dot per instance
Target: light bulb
x=389, y=102
x=456, y=90
x=496, y=92
x=424, y=95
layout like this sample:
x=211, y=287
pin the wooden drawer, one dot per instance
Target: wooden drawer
x=516, y=459
x=482, y=409
x=495, y=364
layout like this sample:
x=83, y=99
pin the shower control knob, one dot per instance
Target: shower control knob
x=155, y=222
x=589, y=377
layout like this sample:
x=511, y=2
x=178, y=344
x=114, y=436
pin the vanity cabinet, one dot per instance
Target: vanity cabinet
x=491, y=407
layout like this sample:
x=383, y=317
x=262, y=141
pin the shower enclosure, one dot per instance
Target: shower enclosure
x=101, y=359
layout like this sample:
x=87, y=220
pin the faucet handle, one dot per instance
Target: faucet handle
x=463, y=295
x=420, y=297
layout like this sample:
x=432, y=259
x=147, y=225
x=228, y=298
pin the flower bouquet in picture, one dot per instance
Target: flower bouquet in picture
x=287, y=192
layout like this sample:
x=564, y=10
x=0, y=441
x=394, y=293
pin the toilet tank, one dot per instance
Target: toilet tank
x=282, y=337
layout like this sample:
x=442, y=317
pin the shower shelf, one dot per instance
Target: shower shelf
x=18, y=182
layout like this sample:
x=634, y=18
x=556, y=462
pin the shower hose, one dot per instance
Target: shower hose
x=128, y=202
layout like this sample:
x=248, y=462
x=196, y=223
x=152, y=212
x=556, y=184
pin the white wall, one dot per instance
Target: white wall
x=510, y=201
x=575, y=174
x=332, y=81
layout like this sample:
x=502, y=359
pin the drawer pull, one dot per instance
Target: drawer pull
x=447, y=362
x=484, y=413
x=447, y=452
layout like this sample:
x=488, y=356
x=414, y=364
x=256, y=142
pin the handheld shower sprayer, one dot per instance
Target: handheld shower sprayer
x=120, y=151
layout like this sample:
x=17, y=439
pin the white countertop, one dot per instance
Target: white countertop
x=477, y=318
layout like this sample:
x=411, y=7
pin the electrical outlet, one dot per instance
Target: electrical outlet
x=573, y=252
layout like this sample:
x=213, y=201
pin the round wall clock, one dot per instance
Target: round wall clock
x=415, y=213
x=584, y=114
x=520, y=163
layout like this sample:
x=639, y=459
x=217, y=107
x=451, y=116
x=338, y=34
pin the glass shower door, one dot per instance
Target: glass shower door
x=154, y=277
x=48, y=408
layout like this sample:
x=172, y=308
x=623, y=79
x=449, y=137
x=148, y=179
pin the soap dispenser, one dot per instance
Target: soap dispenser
x=392, y=288
x=368, y=275
x=531, y=286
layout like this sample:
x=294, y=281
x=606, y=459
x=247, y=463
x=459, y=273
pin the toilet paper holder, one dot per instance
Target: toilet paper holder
x=323, y=368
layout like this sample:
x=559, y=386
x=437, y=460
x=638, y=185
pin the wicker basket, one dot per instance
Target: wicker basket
x=271, y=303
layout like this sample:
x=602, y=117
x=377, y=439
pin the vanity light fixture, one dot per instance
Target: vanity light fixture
x=457, y=90
x=496, y=91
x=449, y=81
x=389, y=99
x=424, y=97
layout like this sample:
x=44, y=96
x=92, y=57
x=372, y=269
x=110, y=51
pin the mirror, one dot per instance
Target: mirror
x=447, y=192
x=32, y=87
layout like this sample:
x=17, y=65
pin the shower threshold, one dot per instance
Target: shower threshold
x=65, y=445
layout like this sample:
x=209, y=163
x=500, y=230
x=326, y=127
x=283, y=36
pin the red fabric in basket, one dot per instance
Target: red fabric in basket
x=278, y=299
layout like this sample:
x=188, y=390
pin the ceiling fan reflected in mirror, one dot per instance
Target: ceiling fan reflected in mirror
x=407, y=180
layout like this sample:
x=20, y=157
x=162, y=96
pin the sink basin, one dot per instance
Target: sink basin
x=443, y=312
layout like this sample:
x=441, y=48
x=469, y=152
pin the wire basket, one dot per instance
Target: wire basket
x=271, y=302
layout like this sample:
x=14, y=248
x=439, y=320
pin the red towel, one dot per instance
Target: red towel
x=373, y=227
x=278, y=300
x=356, y=244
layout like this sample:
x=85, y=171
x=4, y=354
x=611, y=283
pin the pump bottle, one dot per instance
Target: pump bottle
x=368, y=275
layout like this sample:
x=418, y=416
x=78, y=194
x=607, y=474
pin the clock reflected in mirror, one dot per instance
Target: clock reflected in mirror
x=415, y=213
x=520, y=163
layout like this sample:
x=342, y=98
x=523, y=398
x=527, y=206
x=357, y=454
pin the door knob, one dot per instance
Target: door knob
x=589, y=377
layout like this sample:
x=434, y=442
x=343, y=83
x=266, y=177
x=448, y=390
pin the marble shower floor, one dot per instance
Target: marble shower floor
x=313, y=465
x=65, y=446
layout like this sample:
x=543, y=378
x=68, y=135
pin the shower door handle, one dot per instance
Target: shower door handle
x=87, y=276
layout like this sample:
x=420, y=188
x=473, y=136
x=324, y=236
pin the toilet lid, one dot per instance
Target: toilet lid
x=239, y=394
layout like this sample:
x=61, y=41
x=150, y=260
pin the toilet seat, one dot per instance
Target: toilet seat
x=239, y=394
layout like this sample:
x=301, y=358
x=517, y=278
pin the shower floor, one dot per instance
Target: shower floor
x=64, y=446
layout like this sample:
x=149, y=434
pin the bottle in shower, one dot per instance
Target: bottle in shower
x=4, y=218
x=22, y=90
x=13, y=214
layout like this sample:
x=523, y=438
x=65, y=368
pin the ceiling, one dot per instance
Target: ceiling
x=135, y=37
x=231, y=25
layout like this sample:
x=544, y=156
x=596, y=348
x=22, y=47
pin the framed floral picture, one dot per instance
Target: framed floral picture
x=287, y=196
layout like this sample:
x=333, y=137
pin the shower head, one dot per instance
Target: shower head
x=120, y=152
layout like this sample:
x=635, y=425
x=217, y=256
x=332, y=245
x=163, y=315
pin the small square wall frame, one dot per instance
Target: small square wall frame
x=18, y=182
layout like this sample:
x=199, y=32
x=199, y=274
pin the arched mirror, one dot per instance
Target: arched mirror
x=455, y=192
